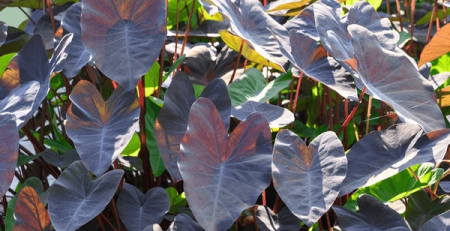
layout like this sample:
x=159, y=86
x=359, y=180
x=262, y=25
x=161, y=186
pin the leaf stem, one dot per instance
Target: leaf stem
x=52, y=16
x=143, y=154
x=347, y=120
x=431, y=21
x=399, y=14
x=369, y=108
x=188, y=28
x=238, y=61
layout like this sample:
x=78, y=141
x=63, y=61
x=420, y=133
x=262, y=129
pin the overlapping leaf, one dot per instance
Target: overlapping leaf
x=30, y=212
x=9, y=150
x=124, y=37
x=75, y=199
x=99, y=130
x=223, y=175
x=308, y=179
x=138, y=210
x=184, y=222
x=277, y=116
x=435, y=80
x=286, y=7
x=439, y=222
x=284, y=220
x=60, y=161
x=421, y=208
x=438, y=46
x=172, y=121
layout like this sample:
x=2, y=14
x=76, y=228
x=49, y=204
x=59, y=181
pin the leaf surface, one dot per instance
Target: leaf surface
x=30, y=212
x=9, y=151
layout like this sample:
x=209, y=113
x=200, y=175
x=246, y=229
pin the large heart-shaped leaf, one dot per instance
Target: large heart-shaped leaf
x=172, y=121
x=277, y=116
x=3, y=32
x=421, y=208
x=385, y=74
x=60, y=161
x=78, y=55
x=305, y=22
x=285, y=220
x=373, y=215
x=437, y=47
x=308, y=179
x=439, y=222
x=124, y=37
x=9, y=151
x=390, y=152
x=249, y=21
x=30, y=212
x=99, y=130
x=223, y=175
x=138, y=210
x=184, y=222
x=75, y=199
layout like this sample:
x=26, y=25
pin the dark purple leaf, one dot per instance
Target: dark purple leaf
x=99, y=130
x=285, y=220
x=277, y=116
x=421, y=208
x=3, y=32
x=60, y=161
x=75, y=199
x=9, y=151
x=154, y=227
x=184, y=222
x=124, y=38
x=439, y=222
x=30, y=212
x=223, y=175
x=308, y=179
x=305, y=23
x=138, y=210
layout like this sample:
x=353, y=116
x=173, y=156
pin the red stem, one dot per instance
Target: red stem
x=413, y=9
x=397, y=2
x=344, y=125
x=431, y=21
x=144, y=152
x=238, y=61
x=52, y=17
x=188, y=28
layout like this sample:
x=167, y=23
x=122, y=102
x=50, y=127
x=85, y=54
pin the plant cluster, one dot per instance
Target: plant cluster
x=219, y=115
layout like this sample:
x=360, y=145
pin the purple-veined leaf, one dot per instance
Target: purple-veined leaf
x=391, y=77
x=284, y=220
x=138, y=210
x=60, y=161
x=3, y=32
x=439, y=222
x=391, y=151
x=75, y=199
x=308, y=179
x=249, y=21
x=78, y=55
x=184, y=222
x=277, y=116
x=172, y=121
x=373, y=215
x=99, y=130
x=9, y=150
x=124, y=37
x=30, y=212
x=223, y=174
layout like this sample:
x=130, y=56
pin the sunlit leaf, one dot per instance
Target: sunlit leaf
x=437, y=14
x=9, y=151
x=75, y=199
x=438, y=46
x=223, y=175
x=439, y=222
x=172, y=121
x=4, y=61
x=133, y=147
x=154, y=227
x=152, y=79
x=184, y=222
x=60, y=161
x=308, y=179
x=286, y=7
x=435, y=80
x=138, y=210
x=372, y=215
x=124, y=38
x=284, y=220
x=421, y=208
x=176, y=199
x=99, y=130
x=30, y=212
x=277, y=116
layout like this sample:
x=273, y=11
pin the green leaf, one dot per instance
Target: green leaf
x=176, y=64
x=36, y=4
x=400, y=185
x=4, y=61
x=176, y=200
x=184, y=7
x=421, y=209
x=404, y=38
x=133, y=147
x=375, y=3
x=56, y=82
x=152, y=79
x=441, y=64
x=58, y=145
x=26, y=159
x=198, y=89
x=155, y=157
x=426, y=18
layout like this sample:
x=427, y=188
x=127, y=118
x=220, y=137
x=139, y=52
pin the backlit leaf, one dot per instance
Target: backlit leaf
x=30, y=212
x=438, y=46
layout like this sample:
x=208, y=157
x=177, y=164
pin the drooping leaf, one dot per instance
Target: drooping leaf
x=277, y=116
x=75, y=199
x=284, y=220
x=308, y=179
x=439, y=222
x=184, y=222
x=78, y=55
x=156, y=160
x=3, y=32
x=9, y=151
x=249, y=21
x=384, y=73
x=438, y=46
x=30, y=212
x=421, y=208
x=222, y=174
x=99, y=130
x=124, y=38
x=172, y=121
x=138, y=210
x=60, y=161
x=391, y=151
x=372, y=215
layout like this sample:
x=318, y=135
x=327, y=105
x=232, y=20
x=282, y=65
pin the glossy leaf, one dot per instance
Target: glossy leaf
x=385, y=73
x=308, y=179
x=110, y=125
x=9, y=151
x=184, y=222
x=439, y=222
x=138, y=210
x=372, y=215
x=125, y=37
x=172, y=121
x=60, y=161
x=222, y=174
x=421, y=208
x=285, y=220
x=75, y=199
x=78, y=55
x=277, y=116
x=30, y=212
x=438, y=46
x=3, y=32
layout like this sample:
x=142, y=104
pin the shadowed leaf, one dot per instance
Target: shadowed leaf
x=421, y=208
x=124, y=37
x=75, y=199
x=60, y=161
x=223, y=175
x=156, y=160
x=99, y=130
x=9, y=151
x=138, y=210
x=438, y=46
x=3, y=32
x=439, y=222
x=308, y=179
x=30, y=212
x=373, y=215
x=277, y=116
x=184, y=222
x=285, y=220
